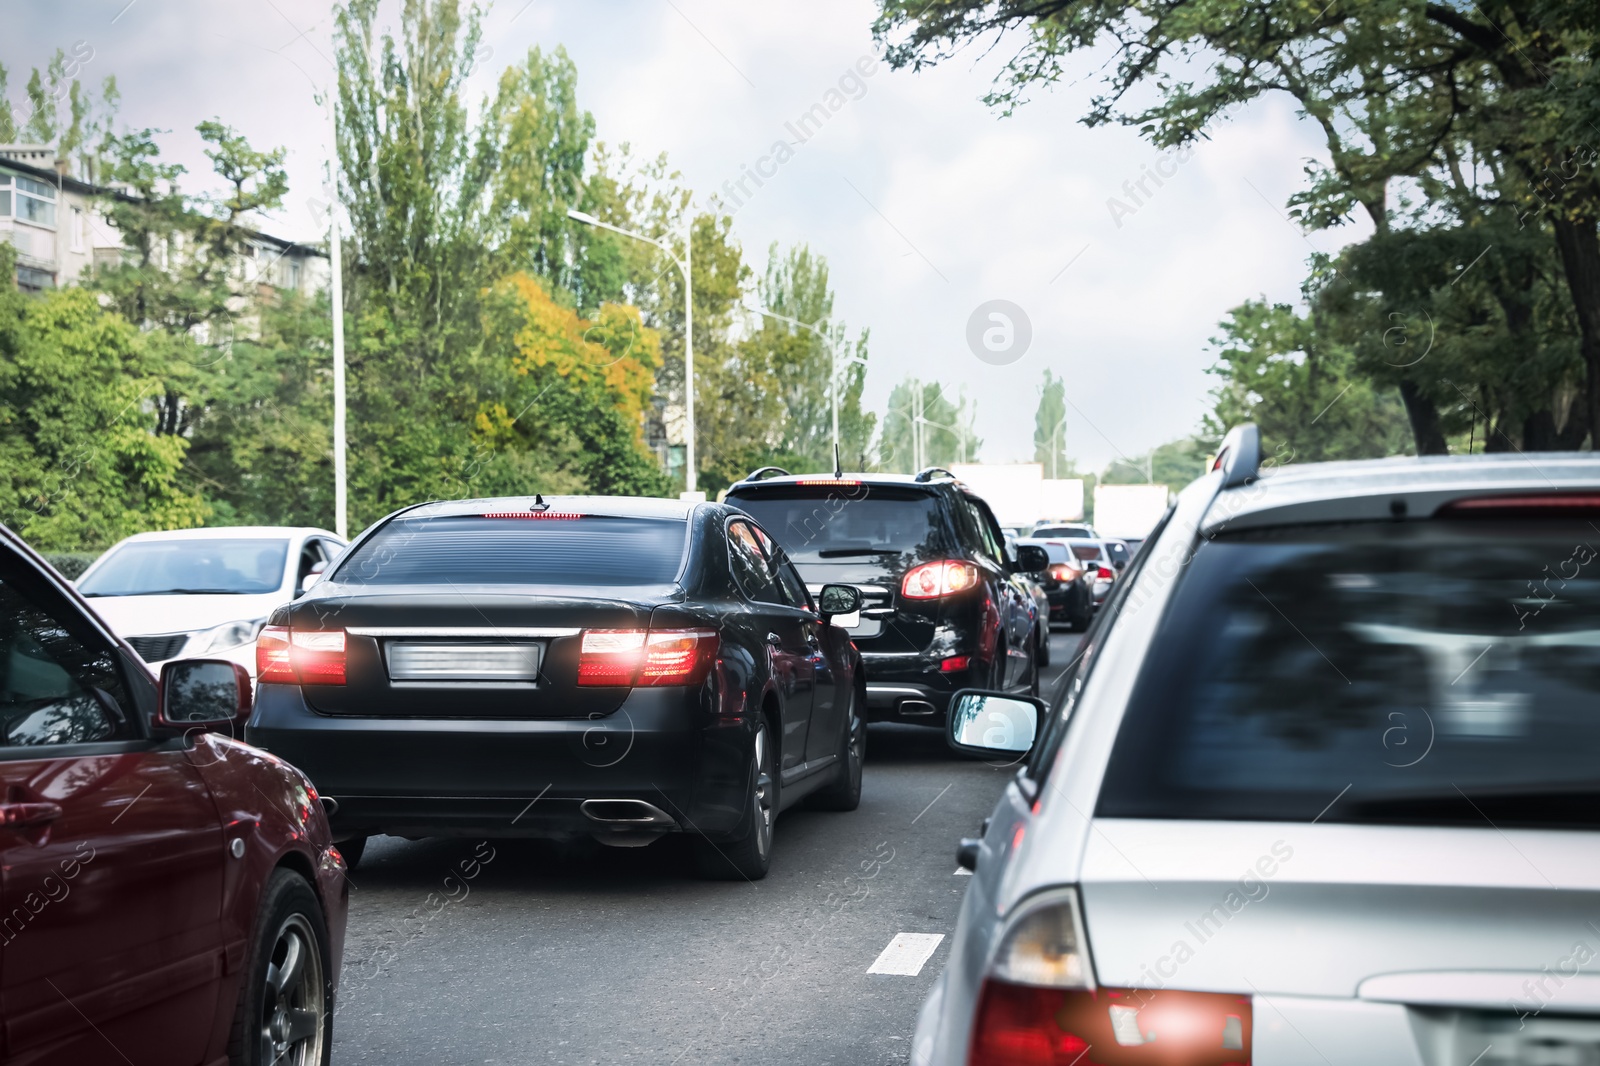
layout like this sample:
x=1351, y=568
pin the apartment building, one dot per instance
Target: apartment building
x=56, y=224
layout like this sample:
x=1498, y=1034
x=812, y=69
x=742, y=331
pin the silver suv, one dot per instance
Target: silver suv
x=1323, y=786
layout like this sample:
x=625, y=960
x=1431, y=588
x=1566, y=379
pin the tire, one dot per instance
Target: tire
x=285, y=1010
x=1033, y=672
x=748, y=856
x=1043, y=630
x=352, y=850
x=845, y=793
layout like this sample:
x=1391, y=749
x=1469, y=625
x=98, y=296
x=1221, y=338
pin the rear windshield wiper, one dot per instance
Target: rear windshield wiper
x=835, y=553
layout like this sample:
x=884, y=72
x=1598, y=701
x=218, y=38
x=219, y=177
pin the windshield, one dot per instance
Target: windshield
x=474, y=550
x=815, y=526
x=191, y=566
x=1442, y=673
x=1062, y=531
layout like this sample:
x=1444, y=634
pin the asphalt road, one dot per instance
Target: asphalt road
x=523, y=952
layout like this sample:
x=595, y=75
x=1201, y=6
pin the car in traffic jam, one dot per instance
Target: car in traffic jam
x=822, y=534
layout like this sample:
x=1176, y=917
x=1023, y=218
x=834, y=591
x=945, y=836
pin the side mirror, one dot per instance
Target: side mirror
x=211, y=693
x=836, y=602
x=990, y=723
x=312, y=576
x=1032, y=559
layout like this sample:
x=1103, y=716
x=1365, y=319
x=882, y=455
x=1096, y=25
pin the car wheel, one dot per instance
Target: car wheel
x=285, y=1011
x=997, y=668
x=352, y=850
x=749, y=855
x=1043, y=630
x=845, y=793
x=1033, y=671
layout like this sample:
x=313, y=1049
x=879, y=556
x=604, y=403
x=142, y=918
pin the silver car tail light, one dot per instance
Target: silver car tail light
x=1040, y=1006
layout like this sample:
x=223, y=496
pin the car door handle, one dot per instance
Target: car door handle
x=26, y=814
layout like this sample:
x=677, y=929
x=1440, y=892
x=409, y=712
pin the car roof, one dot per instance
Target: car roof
x=222, y=532
x=599, y=506
x=823, y=480
x=1402, y=486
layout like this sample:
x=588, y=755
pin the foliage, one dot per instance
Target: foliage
x=1447, y=120
x=1049, y=427
x=80, y=467
x=946, y=429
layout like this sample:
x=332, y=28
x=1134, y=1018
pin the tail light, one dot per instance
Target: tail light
x=1040, y=1007
x=1105, y=573
x=1063, y=572
x=300, y=657
x=932, y=580
x=639, y=657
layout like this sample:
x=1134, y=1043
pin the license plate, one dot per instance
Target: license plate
x=463, y=662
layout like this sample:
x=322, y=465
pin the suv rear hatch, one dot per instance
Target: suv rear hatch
x=863, y=535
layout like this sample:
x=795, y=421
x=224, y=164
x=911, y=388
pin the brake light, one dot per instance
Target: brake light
x=828, y=481
x=272, y=655
x=1063, y=572
x=1534, y=503
x=1105, y=573
x=300, y=657
x=954, y=663
x=1039, y=1006
x=318, y=655
x=932, y=580
x=532, y=514
x=1023, y=1025
x=638, y=657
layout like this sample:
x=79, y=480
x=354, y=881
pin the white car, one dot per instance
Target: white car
x=1319, y=789
x=189, y=592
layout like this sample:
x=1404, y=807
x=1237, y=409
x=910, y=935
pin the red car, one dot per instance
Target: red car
x=168, y=895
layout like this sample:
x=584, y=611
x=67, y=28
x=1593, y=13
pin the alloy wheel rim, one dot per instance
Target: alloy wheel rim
x=293, y=1012
x=763, y=794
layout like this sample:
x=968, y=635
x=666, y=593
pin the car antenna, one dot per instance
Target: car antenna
x=838, y=469
x=538, y=503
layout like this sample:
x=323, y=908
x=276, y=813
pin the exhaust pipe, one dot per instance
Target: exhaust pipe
x=915, y=707
x=626, y=813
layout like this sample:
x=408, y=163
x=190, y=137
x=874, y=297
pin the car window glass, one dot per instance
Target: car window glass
x=983, y=536
x=310, y=556
x=750, y=565
x=59, y=681
x=1401, y=666
x=1086, y=551
x=789, y=583
x=1065, y=698
x=988, y=529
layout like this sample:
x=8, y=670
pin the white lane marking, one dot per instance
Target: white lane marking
x=906, y=954
x=963, y=872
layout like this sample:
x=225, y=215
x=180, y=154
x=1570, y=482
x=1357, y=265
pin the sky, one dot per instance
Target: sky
x=933, y=211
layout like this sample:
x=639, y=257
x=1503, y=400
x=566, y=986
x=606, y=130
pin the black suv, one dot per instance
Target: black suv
x=943, y=606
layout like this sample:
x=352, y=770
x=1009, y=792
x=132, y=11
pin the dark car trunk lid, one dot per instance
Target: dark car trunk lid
x=479, y=652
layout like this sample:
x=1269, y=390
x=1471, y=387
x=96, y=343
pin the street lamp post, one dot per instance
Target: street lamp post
x=1055, y=447
x=341, y=492
x=690, y=480
x=833, y=364
x=959, y=431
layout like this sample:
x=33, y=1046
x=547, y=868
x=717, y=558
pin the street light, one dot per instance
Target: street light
x=1055, y=447
x=690, y=481
x=833, y=358
x=960, y=431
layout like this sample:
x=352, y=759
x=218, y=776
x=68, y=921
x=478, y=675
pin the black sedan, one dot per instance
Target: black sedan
x=617, y=668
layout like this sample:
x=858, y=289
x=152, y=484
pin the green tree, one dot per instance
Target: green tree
x=945, y=428
x=1300, y=388
x=81, y=467
x=1405, y=91
x=1050, y=427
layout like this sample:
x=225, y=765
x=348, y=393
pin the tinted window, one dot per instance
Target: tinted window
x=789, y=583
x=243, y=566
x=1118, y=550
x=1425, y=673
x=471, y=549
x=1062, y=531
x=51, y=664
x=814, y=525
x=1086, y=551
x=987, y=543
x=751, y=568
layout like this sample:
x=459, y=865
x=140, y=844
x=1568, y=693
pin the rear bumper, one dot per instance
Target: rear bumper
x=912, y=688
x=525, y=777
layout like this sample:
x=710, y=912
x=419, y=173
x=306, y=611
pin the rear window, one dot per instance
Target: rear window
x=852, y=522
x=471, y=549
x=1086, y=551
x=1434, y=673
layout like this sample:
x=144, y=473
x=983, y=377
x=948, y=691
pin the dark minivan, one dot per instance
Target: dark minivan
x=943, y=606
